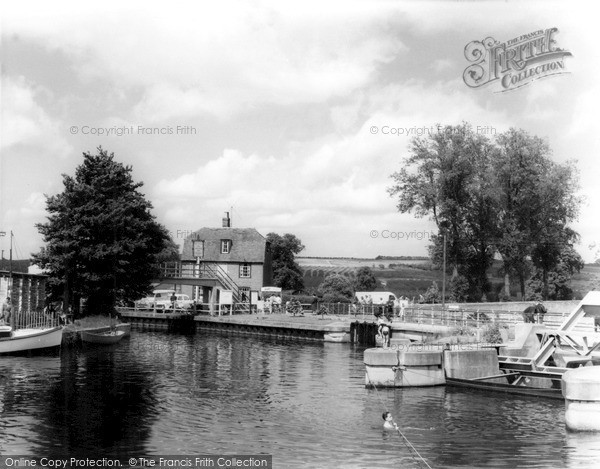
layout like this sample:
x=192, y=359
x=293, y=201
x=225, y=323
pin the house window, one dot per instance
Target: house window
x=198, y=249
x=225, y=246
x=245, y=270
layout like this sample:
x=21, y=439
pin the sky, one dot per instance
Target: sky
x=290, y=116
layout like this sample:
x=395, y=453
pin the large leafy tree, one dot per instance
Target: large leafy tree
x=487, y=197
x=446, y=176
x=286, y=271
x=102, y=241
x=556, y=283
x=559, y=206
x=536, y=202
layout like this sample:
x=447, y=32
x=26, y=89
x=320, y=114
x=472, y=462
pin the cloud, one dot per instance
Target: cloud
x=338, y=182
x=222, y=58
x=584, y=120
x=441, y=65
x=328, y=73
x=25, y=214
x=24, y=120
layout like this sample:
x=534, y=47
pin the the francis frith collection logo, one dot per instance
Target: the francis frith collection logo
x=514, y=63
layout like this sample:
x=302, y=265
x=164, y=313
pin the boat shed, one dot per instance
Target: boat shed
x=27, y=292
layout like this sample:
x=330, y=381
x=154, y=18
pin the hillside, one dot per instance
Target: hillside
x=413, y=277
x=403, y=277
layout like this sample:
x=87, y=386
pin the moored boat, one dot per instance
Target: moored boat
x=30, y=339
x=487, y=384
x=107, y=338
x=26, y=327
x=125, y=327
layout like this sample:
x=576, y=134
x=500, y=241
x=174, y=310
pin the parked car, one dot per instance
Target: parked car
x=161, y=300
x=145, y=303
x=181, y=302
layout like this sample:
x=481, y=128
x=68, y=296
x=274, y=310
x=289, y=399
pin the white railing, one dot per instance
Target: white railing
x=419, y=314
x=34, y=320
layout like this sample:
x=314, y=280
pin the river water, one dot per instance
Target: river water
x=302, y=402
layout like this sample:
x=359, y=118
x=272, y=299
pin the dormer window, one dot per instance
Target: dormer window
x=225, y=246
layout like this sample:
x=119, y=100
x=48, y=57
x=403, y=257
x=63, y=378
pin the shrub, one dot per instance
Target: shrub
x=459, y=289
x=503, y=297
x=462, y=330
x=432, y=295
x=491, y=334
x=336, y=288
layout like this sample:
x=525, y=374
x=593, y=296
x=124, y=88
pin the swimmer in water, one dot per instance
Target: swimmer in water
x=388, y=423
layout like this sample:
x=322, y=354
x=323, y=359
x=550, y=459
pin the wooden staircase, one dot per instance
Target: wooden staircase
x=205, y=273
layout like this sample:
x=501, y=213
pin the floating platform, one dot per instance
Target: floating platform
x=177, y=321
x=581, y=390
x=400, y=367
x=461, y=365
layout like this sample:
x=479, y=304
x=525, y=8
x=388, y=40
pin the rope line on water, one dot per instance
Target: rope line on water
x=404, y=439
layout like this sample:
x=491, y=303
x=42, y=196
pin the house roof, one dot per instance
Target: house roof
x=247, y=245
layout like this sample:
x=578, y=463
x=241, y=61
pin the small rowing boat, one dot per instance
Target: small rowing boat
x=107, y=338
x=487, y=384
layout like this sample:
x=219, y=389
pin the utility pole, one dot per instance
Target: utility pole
x=444, y=277
x=2, y=235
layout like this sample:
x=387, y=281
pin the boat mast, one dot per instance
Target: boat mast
x=10, y=283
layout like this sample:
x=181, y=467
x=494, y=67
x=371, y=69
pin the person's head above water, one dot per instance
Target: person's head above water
x=387, y=416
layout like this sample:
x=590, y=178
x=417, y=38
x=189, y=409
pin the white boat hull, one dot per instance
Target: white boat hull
x=24, y=340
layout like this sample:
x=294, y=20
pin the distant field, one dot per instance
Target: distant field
x=413, y=277
x=586, y=280
x=354, y=263
x=401, y=278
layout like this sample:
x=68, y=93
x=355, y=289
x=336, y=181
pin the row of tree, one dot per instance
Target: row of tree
x=503, y=197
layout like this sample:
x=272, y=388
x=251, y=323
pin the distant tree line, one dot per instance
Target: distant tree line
x=401, y=258
x=503, y=197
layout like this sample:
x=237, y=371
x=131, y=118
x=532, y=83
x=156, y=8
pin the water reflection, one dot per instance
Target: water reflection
x=87, y=401
x=581, y=450
x=103, y=400
x=303, y=402
x=21, y=379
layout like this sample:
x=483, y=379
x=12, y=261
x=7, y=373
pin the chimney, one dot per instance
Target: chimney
x=226, y=221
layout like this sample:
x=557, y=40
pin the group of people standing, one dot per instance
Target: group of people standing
x=6, y=311
x=390, y=308
x=272, y=304
x=294, y=307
